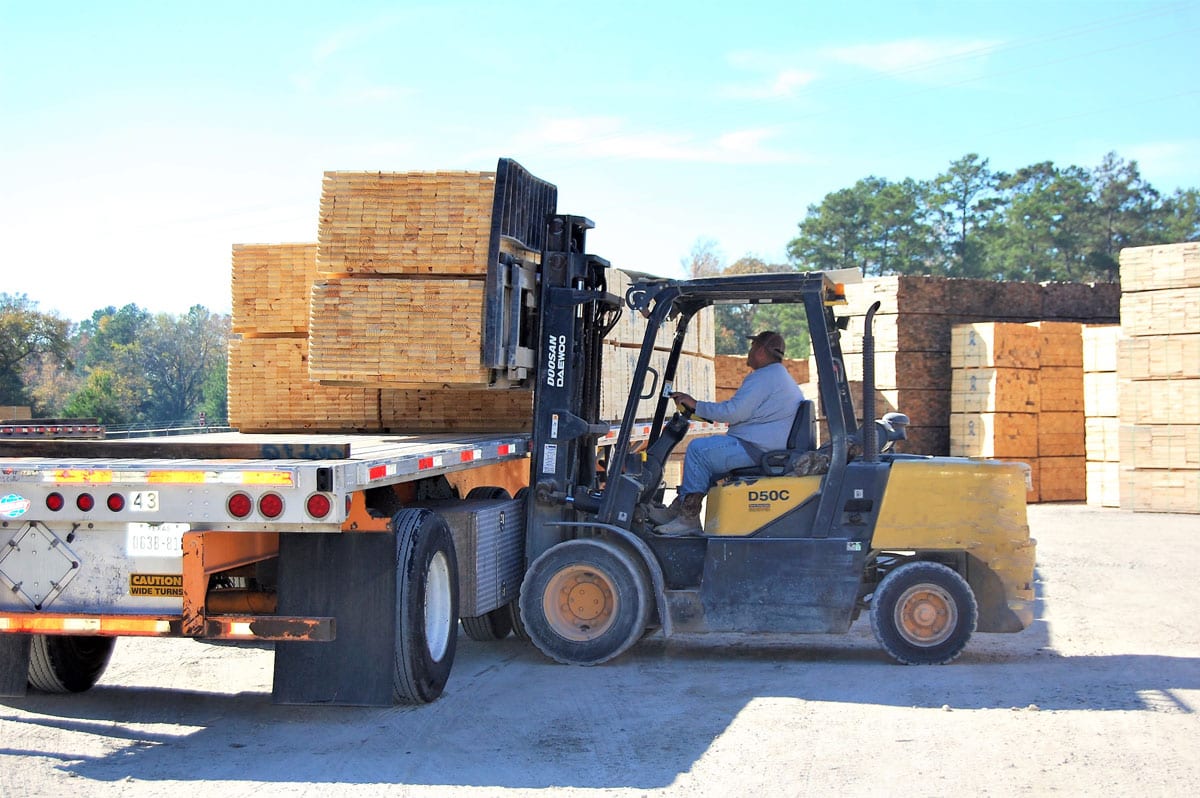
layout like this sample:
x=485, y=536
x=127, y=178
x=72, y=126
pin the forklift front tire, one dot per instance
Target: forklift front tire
x=584, y=602
x=923, y=613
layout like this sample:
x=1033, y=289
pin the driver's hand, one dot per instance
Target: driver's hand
x=685, y=400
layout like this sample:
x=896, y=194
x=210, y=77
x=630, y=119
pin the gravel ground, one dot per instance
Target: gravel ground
x=1099, y=697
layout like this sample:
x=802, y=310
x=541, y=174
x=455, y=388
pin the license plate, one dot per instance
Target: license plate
x=155, y=540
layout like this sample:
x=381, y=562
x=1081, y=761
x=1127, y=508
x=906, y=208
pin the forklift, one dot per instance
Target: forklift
x=932, y=548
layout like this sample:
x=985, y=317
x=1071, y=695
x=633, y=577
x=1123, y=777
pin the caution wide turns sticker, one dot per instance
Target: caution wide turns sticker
x=156, y=585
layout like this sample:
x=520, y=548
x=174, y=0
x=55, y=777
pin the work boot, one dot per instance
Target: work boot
x=688, y=520
x=660, y=515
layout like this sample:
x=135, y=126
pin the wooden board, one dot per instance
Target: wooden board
x=995, y=390
x=1061, y=434
x=1060, y=344
x=167, y=449
x=269, y=391
x=1062, y=479
x=1102, y=442
x=995, y=345
x=270, y=286
x=1159, y=357
x=1103, y=484
x=994, y=435
x=1100, y=343
x=1100, y=394
x=730, y=370
x=1160, y=445
x=1157, y=267
x=694, y=375
x=415, y=223
x=1061, y=389
x=397, y=333
x=1159, y=401
x=1160, y=491
x=1166, y=311
x=926, y=370
x=415, y=410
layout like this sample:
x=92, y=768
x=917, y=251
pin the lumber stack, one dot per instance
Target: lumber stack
x=1017, y=393
x=913, y=335
x=399, y=297
x=1159, y=372
x=268, y=384
x=695, y=373
x=1101, y=414
x=730, y=370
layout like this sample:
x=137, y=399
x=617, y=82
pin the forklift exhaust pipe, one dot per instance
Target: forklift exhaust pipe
x=870, y=439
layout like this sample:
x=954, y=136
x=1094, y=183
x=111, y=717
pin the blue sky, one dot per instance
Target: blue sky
x=140, y=141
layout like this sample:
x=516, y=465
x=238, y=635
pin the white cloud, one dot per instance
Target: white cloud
x=1167, y=164
x=782, y=84
x=610, y=137
x=917, y=59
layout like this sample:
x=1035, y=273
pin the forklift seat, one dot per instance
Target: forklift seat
x=801, y=438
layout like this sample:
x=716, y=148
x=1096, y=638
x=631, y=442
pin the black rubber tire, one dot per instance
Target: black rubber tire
x=494, y=625
x=426, y=606
x=488, y=492
x=68, y=663
x=923, y=613
x=610, y=580
x=514, y=616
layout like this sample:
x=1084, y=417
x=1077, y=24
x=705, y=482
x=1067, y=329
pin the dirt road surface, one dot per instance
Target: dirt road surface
x=1101, y=696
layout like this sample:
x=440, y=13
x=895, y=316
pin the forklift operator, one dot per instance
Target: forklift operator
x=759, y=416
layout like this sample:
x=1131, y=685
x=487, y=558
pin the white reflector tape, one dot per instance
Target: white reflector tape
x=81, y=624
x=240, y=629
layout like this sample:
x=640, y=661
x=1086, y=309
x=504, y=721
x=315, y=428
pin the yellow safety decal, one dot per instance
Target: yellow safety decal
x=156, y=585
x=83, y=476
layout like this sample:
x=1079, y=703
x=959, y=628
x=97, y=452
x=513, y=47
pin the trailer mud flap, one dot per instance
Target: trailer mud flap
x=352, y=578
x=14, y=665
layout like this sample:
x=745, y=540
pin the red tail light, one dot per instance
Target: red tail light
x=85, y=502
x=239, y=505
x=270, y=505
x=318, y=505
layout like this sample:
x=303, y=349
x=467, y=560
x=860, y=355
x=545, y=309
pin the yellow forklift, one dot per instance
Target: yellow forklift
x=933, y=548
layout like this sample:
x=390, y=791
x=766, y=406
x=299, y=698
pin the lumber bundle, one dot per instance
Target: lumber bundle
x=730, y=370
x=1158, y=367
x=693, y=375
x=1017, y=392
x=425, y=410
x=915, y=325
x=1101, y=410
x=406, y=222
x=398, y=333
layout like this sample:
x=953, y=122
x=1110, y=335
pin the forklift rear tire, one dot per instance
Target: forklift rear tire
x=585, y=601
x=426, y=606
x=494, y=625
x=68, y=664
x=923, y=613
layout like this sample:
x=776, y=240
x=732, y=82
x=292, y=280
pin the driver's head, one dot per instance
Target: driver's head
x=768, y=344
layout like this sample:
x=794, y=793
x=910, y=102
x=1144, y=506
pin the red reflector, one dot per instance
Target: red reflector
x=377, y=472
x=318, y=505
x=116, y=502
x=270, y=505
x=55, y=502
x=503, y=449
x=85, y=502
x=239, y=505
x=425, y=462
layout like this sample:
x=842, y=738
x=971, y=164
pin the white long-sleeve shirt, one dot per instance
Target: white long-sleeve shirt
x=762, y=410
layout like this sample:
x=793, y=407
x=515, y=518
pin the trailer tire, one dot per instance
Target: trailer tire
x=923, y=613
x=494, y=625
x=426, y=606
x=514, y=615
x=585, y=602
x=68, y=664
x=487, y=492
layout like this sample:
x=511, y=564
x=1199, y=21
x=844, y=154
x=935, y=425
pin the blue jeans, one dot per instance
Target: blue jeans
x=708, y=459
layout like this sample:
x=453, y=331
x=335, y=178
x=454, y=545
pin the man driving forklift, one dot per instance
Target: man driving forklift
x=759, y=416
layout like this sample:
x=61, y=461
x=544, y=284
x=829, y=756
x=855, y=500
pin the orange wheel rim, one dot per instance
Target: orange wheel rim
x=926, y=615
x=580, y=603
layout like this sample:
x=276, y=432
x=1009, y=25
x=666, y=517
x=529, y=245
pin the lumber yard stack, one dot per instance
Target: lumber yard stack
x=913, y=331
x=1159, y=373
x=1017, y=394
x=730, y=370
x=1101, y=414
x=378, y=326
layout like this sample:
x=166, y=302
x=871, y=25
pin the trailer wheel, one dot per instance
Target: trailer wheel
x=584, y=602
x=68, y=664
x=426, y=606
x=494, y=625
x=488, y=492
x=923, y=613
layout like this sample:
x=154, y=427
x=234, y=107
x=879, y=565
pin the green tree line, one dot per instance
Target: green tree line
x=122, y=366
x=1039, y=223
